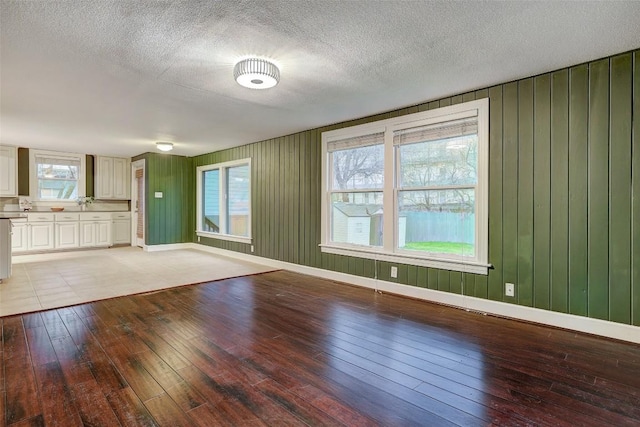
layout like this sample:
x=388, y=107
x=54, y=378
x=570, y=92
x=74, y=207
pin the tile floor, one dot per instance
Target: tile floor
x=61, y=279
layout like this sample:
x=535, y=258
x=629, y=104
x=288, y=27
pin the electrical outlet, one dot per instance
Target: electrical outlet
x=251, y=248
x=198, y=239
x=510, y=289
x=394, y=272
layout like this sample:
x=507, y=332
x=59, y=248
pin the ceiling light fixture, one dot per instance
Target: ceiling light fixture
x=164, y=146
x=256, y=73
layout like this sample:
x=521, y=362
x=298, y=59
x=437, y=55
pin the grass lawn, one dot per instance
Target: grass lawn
x=441, y=247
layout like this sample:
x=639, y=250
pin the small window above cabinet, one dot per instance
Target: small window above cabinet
x=113, y=178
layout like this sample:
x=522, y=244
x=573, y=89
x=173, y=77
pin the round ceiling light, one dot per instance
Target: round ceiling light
x=256, y=73
x=164, y=146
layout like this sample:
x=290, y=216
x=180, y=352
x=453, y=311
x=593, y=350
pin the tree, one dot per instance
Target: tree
x=358, y=168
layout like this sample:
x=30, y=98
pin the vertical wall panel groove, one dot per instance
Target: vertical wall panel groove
x=510, y=187
x=560, y=191
x=578, y=179
x=496, y=174
x=524, y=281
x=598, y=212
x=635, y=186
x=542, y=191
x=619, y=281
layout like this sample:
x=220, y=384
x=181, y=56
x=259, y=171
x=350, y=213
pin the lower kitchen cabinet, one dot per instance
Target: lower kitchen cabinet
x=67, y=235
x=44, y=231
x=41, y=236
x=121, y=228
x=19, y=236
x=95, y=233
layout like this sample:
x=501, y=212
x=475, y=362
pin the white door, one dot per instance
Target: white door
x=137, y=203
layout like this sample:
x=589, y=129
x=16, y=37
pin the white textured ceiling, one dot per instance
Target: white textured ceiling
x=113, y=77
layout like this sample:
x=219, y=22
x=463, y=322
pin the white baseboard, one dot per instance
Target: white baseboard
x=587, y=325
x=167, y=247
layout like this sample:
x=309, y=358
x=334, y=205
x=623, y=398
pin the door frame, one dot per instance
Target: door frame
x=135, y=197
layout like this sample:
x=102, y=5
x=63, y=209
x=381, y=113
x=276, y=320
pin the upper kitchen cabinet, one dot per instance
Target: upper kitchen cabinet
x=113, y=178
x=8, y=171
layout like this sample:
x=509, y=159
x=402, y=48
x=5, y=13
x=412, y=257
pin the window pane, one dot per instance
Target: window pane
x=437, y=221
x=57, y=181
x=356, y=218
x=358, y=168
x=451, y=161
x=57, y=171
x=238, y=200
x=57, y=189
x=211, y=201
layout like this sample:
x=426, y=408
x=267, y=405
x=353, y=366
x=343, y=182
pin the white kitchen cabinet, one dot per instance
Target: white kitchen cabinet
x=95, y=229
x=113, y=178
x=121, y=228
x=121, y=178
x=87, y=234
x=96, y=233
x=44, y=231
x=5, y=248
x=19, y=236
x=67, y=230
x=8, y=171
x=67, y=235
x=40, y=231
x=40, y=236
x=103, y=233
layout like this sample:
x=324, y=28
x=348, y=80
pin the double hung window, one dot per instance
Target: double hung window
x=57, y=176
x=224, y=201
x=411, y=189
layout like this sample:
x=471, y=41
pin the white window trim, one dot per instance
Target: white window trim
x=477, y=265
x=33, y=175
x=221, y=166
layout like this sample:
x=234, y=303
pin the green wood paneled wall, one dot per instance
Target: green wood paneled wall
x=564, y=195
x=169, y=219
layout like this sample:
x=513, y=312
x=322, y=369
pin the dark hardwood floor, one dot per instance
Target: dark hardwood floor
x=286, y=349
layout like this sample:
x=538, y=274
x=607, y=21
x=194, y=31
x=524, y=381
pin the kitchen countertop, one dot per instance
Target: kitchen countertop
x=50, y=211
x=10, y=215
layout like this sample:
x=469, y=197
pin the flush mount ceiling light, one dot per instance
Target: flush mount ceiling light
x=256, y=73
x=164, y=146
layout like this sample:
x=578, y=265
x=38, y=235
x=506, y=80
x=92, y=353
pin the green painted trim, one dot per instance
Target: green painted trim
x=23, y=171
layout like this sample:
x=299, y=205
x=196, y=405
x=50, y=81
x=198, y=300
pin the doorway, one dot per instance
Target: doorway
x=137, y=203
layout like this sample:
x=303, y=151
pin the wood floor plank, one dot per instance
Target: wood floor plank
x=129, y=409
x=40, y=346
x=134, y=373
x=166, y=412
x=92, y=405
x=58, y=407
x=299, y=407
x=21, y=393
x=286, y=349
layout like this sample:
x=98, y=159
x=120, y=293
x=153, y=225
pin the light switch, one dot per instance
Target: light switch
x=158, y=194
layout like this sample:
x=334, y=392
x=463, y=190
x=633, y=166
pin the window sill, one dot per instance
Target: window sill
x=228, y=237
x=443, y=264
